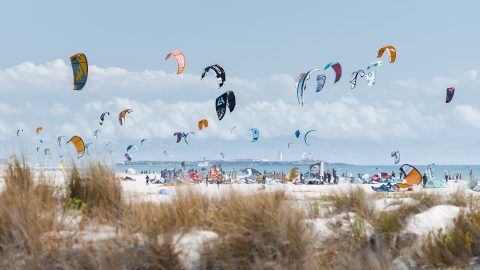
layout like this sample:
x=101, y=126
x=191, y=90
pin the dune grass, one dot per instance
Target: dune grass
x=95, y=191
x=87, y=224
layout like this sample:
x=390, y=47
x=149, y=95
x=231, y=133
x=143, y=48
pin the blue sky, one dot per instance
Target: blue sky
x=262, y=45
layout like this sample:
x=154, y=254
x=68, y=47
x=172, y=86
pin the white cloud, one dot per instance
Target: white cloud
x=471, y=74
x=468, y=115
x=163, y=103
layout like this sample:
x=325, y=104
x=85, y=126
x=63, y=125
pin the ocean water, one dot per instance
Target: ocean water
x=285, y=167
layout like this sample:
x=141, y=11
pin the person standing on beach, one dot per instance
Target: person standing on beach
x=446, y=176
x=147, y=180
x=206, y=180
x=425, y=179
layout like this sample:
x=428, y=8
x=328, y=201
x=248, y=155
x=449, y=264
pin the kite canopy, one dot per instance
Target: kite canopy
x=255, y=134
x=305, y=137
x=102, y=117
x=396, y=156
x=221, y=103
x=290, y=144
x=128, y=156
x=185, y=135
x=142, y=141
x=180, y=60
x=18, y=131
x=122, y=114
x=179, y=136
x=130, y=147
x=412, y=175
x=231, y=101
x=202, y=124
x=38, y=130
x=320, y=82
x=251, y=172
x=353, y=80
x=79, y=145
x=297, y=133
x=450, y=93
x=301, y=84
x=391, y=51
x=80, y=70
x=337, y=68
x=96, y=132
x=430, y=170
x=372, y=71
x=59, y=141
x=219, y=72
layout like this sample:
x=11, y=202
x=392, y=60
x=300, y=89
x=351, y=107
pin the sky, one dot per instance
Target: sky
x=263, y=46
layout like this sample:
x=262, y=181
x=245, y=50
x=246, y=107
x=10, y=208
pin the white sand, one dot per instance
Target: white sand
x=437, y=218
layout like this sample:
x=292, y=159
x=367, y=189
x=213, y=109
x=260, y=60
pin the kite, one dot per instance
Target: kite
x=221, y=103
x=185, y=135
x=290, y=144
x=305, y=137
x=102, y=117
x=222, y=155
x=337, y=68
x=320, y=82
x=79, y=145
x=391, y=51
x=412, y=175
x=450, y=93
x=59, y=141
x=179, y=136
x=95, y=133
x=255, y=134
x=121, y=116
x=430, y=170
x=301, y=85
x=353, y=80
x=297, y=133
x=396, y=156
x=80, y=70
x=18, y=132
x=131, y=146
x=202, y=124
x=142, y=141
x=231, y=131
x=372, y=70
x=180, y=60
x=38, y=130
x=46, y=151
x=218, y=71
x=165, y=152
x=86, y=146
x=128, y=156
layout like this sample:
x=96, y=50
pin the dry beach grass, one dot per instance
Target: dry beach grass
x=89, y=224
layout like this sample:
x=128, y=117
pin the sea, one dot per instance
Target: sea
x=286, y=166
